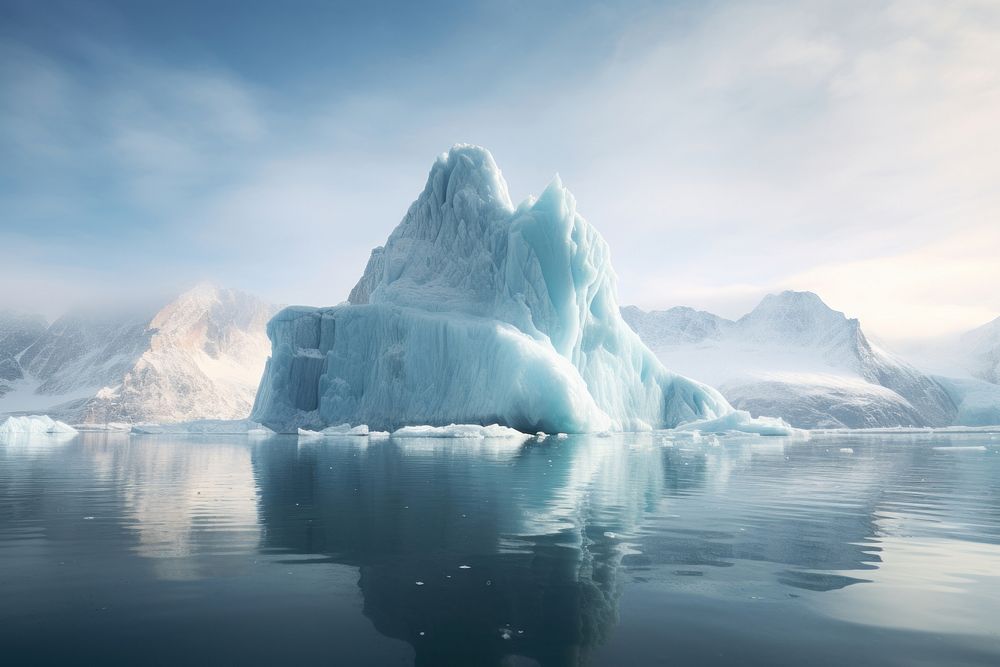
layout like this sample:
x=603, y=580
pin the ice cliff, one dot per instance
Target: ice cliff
x=475, y=311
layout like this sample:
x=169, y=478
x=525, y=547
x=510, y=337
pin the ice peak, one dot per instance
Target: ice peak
x=476, y=312
x=466, y=170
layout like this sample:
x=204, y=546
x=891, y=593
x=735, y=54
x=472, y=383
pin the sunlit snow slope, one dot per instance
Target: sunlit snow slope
x=475, y=311
x=198, y=357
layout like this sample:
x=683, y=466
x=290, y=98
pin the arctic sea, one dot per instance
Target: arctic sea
x=627, y=550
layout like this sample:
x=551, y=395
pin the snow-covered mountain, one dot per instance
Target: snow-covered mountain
x=17, y=332
x=198, y=357
x=477, y=311
x=982, y=351
x=794, y=357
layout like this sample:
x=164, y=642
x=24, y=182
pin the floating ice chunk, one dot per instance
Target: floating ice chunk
x=346, y=429
x=846, y=450
x=34, y=425
x=204, y=427
x=474, y=431
x=541, y=435
x=561, y=436
x=109, y=427
x=967, y=448
x=741, y=421
x=306, y=433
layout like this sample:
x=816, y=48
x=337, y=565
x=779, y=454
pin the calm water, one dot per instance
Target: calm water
x=605, y=551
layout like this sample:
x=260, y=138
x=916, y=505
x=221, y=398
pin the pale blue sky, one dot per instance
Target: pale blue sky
x=724, y=149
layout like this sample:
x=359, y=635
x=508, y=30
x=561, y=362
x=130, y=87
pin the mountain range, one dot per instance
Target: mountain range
x=794, y=357
x=198, y=356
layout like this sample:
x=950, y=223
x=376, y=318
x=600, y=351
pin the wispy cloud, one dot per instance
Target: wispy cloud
x=724, y=150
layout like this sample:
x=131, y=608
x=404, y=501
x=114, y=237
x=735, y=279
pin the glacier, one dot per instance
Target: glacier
x=477, y=312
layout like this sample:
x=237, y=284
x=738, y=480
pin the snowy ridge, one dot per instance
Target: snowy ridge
x=475, y=311
x=200, y=356
x=982, y=348
x=792, y=356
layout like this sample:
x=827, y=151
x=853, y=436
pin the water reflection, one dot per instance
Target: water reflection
x=479, y=552
x=546, y=529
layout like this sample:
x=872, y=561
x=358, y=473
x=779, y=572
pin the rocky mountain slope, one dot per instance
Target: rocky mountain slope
x=198, y=357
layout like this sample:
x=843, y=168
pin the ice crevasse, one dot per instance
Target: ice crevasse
x=478, y=312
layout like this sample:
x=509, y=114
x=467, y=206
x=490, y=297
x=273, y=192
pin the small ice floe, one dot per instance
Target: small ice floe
x=846, y=450
x=505, y=633
x=965, y=448
x=464, y=567
x=419, y=583
x=561, y=436
x=306, y=433
x=610, y=535
x=347, y=429
x=34, y=425
x=541, y=435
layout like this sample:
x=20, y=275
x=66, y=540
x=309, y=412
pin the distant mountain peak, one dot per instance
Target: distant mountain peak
x=784, y=352
x=200, y=355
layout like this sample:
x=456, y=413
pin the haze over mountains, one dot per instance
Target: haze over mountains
x=198, y=356
x=794, y=357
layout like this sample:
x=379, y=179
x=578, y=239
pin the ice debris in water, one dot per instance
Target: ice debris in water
x=846, y=450
x=204, y=427
x=741, y=421
x=34, y=425
x=477, y=311
x=474, y=431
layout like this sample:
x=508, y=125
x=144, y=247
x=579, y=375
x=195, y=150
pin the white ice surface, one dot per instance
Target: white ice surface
x=204, y=427
x=34, y=425
x=473, y=431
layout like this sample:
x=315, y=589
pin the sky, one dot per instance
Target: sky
x=724, y=149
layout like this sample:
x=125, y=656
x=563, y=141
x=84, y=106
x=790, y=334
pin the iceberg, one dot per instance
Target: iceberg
x=34, y=425
x=477, y=312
